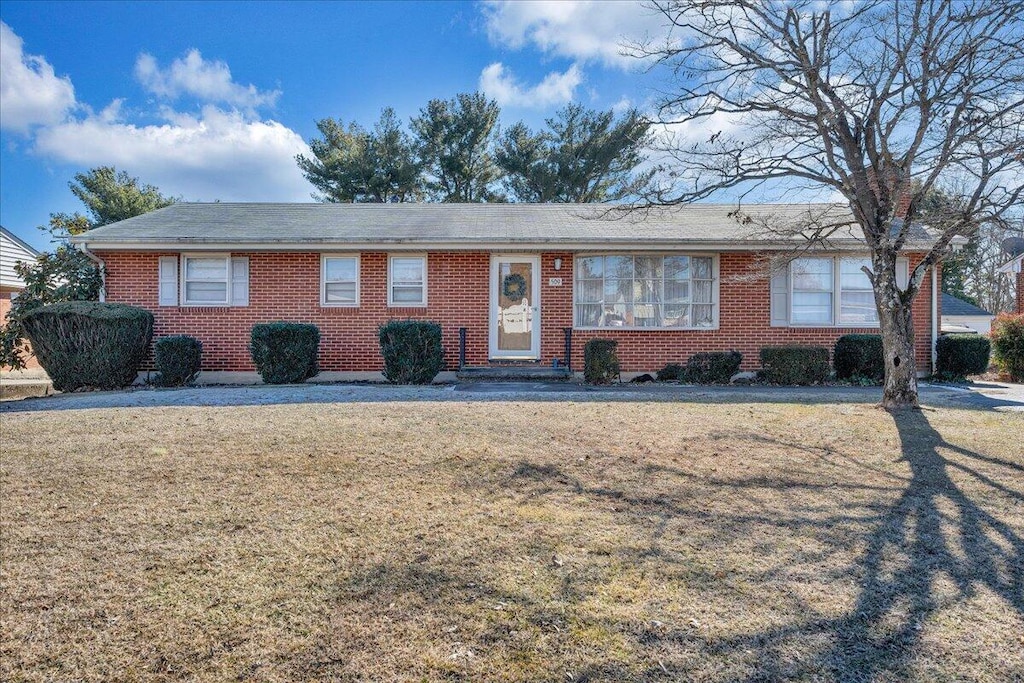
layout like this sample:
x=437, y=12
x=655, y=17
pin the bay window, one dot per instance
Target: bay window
x=645, y=291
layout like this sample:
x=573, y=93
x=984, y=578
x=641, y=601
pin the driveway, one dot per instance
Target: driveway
x=986, y=396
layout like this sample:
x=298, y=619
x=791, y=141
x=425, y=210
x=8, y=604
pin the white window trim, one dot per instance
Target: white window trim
x=227, y=269
x=835, y=281
x=407, y=304
x=715, y=298
x=323, y=279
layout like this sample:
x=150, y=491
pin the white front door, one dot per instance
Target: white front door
x=515, y=307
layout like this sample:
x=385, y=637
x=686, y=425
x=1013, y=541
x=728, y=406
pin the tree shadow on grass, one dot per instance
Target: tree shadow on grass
x=930, y=531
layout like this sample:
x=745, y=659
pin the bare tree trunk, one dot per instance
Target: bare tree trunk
x=900, y=390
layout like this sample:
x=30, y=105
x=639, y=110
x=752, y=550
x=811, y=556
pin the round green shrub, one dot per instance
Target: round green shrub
x=859, y=356
x=712, y=367
x=1008, y=344
x=412, y=351
x=89, y=344
x=672, y=372
x=959, y=355
x=794, y=364
x=285, y=353
x=600, y=361
x=178, y=360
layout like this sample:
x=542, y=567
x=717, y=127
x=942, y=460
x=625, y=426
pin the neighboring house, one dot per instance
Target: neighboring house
x=525, y=281
x=1015, y=269
x=12, y=250
x=962, y=316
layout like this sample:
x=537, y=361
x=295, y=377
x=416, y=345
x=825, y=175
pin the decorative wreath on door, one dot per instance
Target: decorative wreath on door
x=514, y=286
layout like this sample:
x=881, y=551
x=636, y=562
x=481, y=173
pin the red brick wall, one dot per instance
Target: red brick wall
x=1020, y=291
x=285, y=286
x=5, y=305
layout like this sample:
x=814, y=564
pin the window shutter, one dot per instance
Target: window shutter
x=902, y=272
x=780, y=297
x=168, y=279
x=239, y=281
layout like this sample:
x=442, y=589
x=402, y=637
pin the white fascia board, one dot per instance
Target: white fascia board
x=399, y=245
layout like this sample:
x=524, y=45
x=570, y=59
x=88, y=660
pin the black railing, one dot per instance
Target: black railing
x=462, y=348
x=568, y=347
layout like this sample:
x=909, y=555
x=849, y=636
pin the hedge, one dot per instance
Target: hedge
x=794, y=364
x=600, y=361
x=959, y=355
x=89, y=344
x=859, y=356
x=178, y=360
x=285, y=353
x=412, y=351
x=1008, y=344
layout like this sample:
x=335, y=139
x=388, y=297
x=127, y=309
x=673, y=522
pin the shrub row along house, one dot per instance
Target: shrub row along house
x=519, y=282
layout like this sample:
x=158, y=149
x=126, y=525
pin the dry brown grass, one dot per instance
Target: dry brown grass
x=512, y=541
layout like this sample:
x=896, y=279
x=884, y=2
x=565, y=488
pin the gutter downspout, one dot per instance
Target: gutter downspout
x=935, y=319
x=102, y=266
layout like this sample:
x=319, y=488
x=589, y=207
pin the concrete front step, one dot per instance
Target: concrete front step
x=515, y=373
x=11, y=389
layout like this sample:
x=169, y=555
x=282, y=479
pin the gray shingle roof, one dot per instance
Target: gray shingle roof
x=455, y=224
x=951, y=305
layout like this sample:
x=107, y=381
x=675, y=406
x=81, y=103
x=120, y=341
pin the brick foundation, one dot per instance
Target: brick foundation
x=285, y=286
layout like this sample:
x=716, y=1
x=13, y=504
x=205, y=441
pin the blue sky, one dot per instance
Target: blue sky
x=212, y=100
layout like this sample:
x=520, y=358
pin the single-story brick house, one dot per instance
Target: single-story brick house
x=520, y=279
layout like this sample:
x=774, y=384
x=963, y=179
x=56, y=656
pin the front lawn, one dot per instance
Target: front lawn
x=512, y=541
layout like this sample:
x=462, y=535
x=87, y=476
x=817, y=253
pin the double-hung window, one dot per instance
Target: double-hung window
x=813, y=284
x=642, y=291
x=856, y=296
x=206, y=280
x=407, y=281
x=203, y=280
x=339, y=280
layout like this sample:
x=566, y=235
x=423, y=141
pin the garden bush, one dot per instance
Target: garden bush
x=794, y=364
x=89, y=344
x=959, y=355
x=712, y=367
x=672, y=372
x=600, y=361
x=859, y=356
x=1008, y=344
x=284, y=353
x=412, y=351
x=177, y=360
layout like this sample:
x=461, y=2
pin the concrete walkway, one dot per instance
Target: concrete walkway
x=985, y=396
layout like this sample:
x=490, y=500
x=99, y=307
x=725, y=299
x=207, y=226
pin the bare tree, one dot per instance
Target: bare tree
x=878, y=101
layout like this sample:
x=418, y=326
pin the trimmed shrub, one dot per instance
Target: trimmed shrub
x=859, y=356
x=671, y=372
x=794, y=364
x=284, y=353
x=600, y=361
x=177, y=359
x=412, y=351
x=713, y=367
x=89, y=344
x=959, y=355
x=1008, y=344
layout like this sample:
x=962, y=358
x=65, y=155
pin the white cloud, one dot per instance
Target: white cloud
x=31, y=93
x=556, y=88
x=215, y=155
x=207, y=81
x=584, y=30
